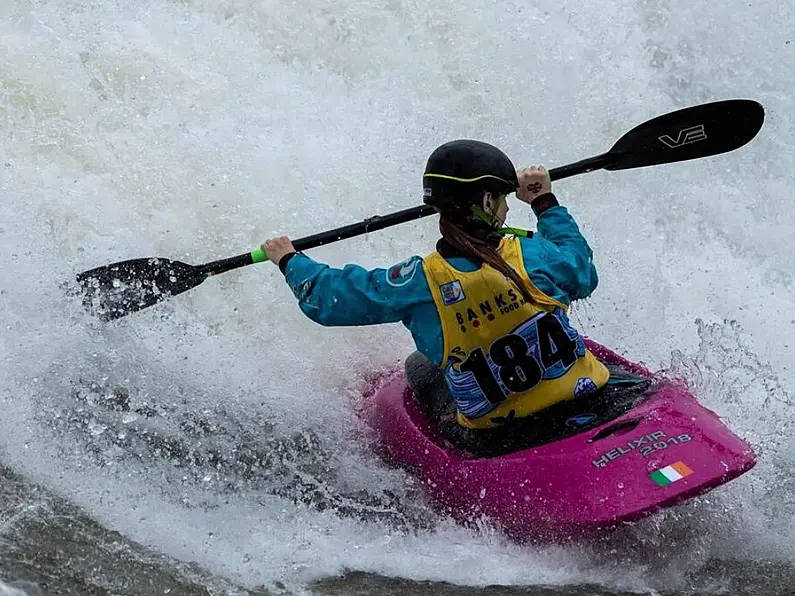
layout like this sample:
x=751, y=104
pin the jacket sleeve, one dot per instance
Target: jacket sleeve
x=568, y=258
x=354, y=295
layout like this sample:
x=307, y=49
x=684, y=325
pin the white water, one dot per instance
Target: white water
x=6, y=590
x=194, y=129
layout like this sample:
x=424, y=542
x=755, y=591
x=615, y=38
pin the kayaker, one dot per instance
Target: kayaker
x=486, y=309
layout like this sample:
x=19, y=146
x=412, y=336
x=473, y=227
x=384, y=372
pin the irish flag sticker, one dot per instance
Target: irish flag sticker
x=668, y=474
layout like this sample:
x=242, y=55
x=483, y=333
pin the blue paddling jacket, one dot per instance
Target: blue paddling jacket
x=557, y=258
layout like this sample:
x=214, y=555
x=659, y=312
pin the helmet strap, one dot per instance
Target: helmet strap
x=486, y=218
x=498, y=225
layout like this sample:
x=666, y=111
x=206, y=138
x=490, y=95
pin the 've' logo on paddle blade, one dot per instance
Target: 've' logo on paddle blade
x=686, y=136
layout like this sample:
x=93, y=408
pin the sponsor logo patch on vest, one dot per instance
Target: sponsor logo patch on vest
x=452, y=292
x=585, y=387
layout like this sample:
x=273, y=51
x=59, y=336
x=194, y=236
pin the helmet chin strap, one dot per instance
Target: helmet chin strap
x=499, y=225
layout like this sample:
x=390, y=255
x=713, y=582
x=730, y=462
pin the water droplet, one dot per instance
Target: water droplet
x=96, y=429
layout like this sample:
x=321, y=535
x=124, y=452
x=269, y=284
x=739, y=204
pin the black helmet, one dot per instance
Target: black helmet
x=460, y=171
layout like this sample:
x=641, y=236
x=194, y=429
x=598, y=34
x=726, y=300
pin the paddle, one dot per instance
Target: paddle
x=118, y=289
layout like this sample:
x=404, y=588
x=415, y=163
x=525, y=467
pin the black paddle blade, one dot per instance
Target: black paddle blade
x=112, y=291
x=691, y=133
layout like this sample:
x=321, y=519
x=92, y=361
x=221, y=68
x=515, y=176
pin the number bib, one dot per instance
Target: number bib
x=506, y=358
x=543, y=348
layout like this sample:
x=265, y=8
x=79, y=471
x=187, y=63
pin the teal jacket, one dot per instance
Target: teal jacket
x=557, y=258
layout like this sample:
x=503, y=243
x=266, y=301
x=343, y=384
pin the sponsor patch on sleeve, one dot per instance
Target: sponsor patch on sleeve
x=402, y=273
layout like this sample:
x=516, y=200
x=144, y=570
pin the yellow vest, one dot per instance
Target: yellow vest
x=504, y=357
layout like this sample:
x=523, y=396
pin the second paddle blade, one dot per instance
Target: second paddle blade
x=112, y=291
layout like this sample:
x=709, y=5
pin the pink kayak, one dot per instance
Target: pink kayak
x=663, y=450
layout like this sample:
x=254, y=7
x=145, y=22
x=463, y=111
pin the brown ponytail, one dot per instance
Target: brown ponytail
x=480, y=250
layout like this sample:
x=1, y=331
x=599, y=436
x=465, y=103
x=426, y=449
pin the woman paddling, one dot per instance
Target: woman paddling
x=486, y=310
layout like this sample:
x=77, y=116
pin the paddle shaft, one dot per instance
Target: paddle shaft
x=379, y=222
